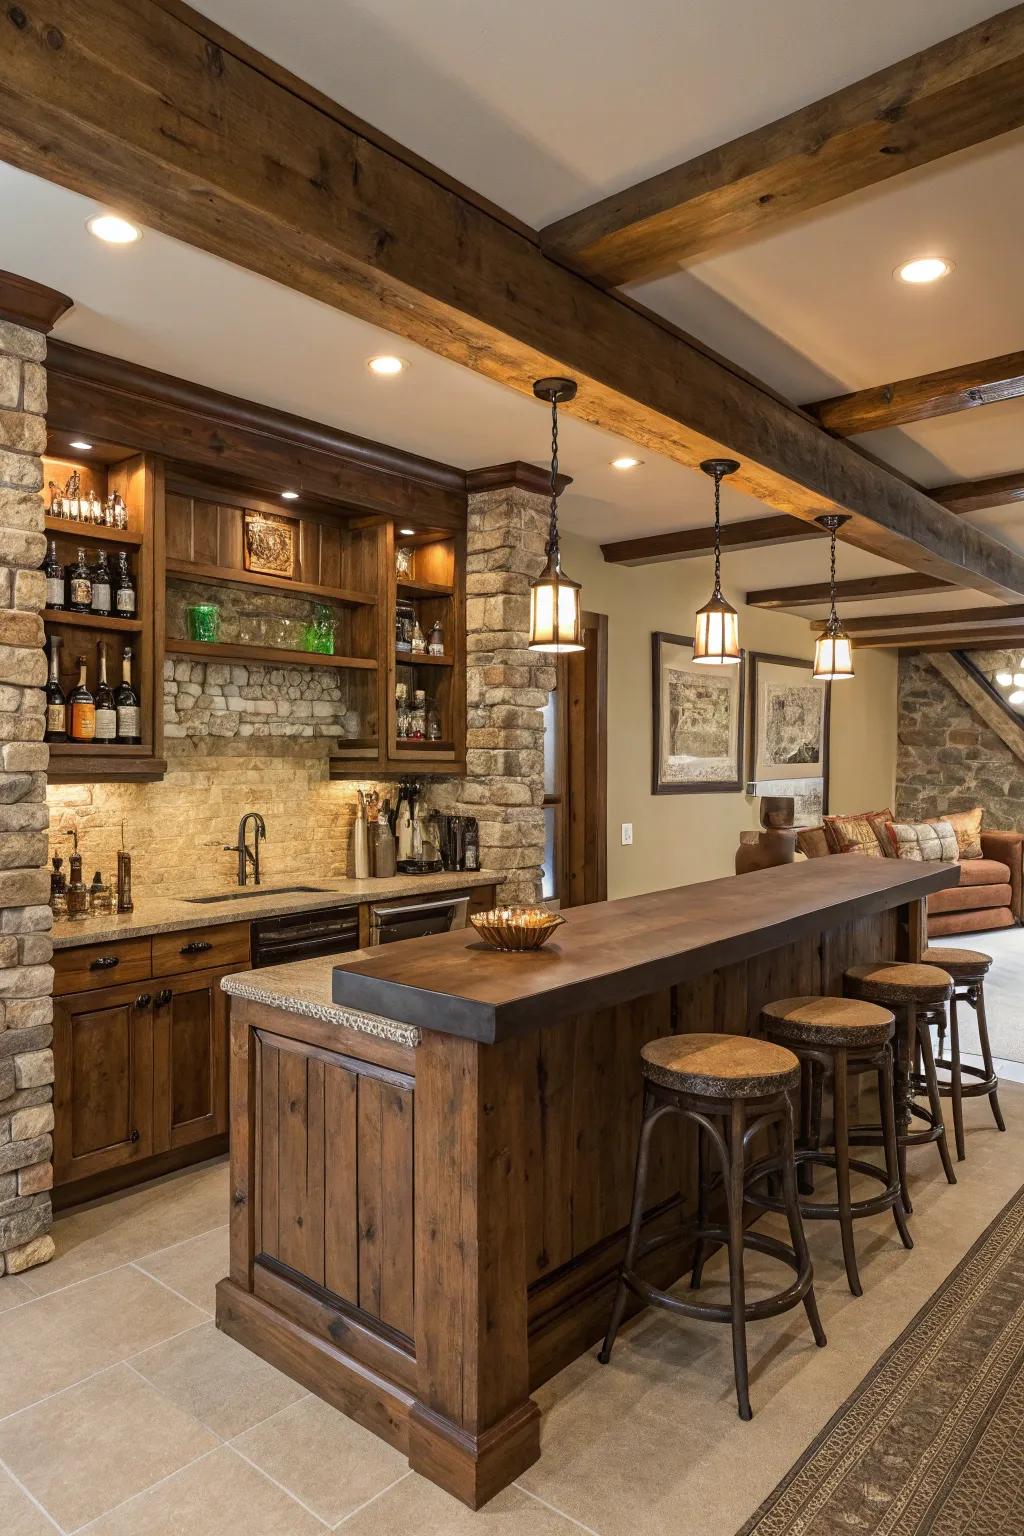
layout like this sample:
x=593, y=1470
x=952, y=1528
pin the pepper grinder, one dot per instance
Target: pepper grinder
x=78, y=891
x=124, y=882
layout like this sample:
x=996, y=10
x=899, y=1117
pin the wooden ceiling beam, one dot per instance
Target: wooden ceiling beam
x=921, y=398
x=857, y=590
x=690, y=543
x=978, y=495
x=942, y=640
x=150, y=108
x=959, y=92
x=965, y=618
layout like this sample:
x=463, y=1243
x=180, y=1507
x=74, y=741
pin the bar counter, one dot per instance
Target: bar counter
x=432, y=1154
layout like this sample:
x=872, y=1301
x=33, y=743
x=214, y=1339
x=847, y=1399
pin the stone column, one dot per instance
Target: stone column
x=27, y=312
x=506, y=683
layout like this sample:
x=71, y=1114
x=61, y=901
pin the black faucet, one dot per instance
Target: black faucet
x=246, y=855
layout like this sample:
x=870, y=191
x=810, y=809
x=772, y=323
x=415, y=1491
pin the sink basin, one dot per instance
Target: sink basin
x=258, y=890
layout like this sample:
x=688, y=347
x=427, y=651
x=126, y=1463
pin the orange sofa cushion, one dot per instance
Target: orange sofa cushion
x=967, y=898
x=983, y=872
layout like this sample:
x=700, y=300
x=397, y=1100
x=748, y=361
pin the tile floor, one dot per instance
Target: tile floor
x=123, y=1412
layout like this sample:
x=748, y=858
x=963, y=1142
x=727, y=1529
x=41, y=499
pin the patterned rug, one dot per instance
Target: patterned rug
x=932, y=1441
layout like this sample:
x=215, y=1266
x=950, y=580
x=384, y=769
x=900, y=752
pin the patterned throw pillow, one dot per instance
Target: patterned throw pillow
x=924, y=840
x=812, y=842
x=856, y=834
x=967, y=826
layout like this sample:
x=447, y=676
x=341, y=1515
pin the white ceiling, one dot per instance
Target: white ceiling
x=543, y=109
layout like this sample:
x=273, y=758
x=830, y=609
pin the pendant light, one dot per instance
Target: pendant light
x=716, y=640
x=833, y=653
x=555, y=622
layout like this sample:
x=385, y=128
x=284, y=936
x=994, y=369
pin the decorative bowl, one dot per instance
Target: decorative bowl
x=516, y=928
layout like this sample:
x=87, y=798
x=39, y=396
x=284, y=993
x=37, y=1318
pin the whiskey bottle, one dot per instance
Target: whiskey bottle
x=101, y=585
x=83, y=709
x=56, y=701
x=106, y=710
x=127, y=702
x=124, y=588
x=54, y=573
x=80, y=586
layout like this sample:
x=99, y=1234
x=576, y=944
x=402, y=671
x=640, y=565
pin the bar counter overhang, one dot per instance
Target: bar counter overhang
x=424, y=1232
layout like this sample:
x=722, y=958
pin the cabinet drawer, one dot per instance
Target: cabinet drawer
x=100, y=965
x=198, y=949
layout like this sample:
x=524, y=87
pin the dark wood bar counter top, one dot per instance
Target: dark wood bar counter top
x=613, y=951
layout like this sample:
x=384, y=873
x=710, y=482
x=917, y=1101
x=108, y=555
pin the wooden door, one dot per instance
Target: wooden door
x=103, y=1057
x=576, y=772
x=190, y=1035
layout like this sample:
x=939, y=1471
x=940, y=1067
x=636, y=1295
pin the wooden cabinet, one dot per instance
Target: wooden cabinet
x=103, y=1092
x=189, y=1060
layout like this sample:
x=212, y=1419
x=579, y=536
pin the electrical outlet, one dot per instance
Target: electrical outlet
x=627, y=834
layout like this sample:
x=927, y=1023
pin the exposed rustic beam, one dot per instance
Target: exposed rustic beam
x=858, y=590
x=959, y=92
x=978, y=495
x=689, y=543
x=1012, y=616
x=941, y=640
x=920, y=398
x=194, y=134
x=961, y=674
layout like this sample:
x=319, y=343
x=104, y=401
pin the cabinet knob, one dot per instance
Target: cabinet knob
x=143, y=1001
x=195, y=947
x=134, y=1136
x=163, y=997
x=104, y=962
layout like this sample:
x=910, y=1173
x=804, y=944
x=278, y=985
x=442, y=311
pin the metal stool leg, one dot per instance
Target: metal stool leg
x=888, y=1118
x=796, y=1225
x=986, y=1055
x=700, y=1251
x=737, y=1293
x=842, y=1148
x=633, y=1240
x=934, y=1100
x=956, y=1096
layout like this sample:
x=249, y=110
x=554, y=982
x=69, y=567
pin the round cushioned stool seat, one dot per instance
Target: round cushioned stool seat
x=964, y=965
x=891, y=981
x=842, y=1021
x=720, y=1066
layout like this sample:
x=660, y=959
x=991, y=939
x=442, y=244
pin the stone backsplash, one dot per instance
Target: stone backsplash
x=216, y=702
x=948, y=758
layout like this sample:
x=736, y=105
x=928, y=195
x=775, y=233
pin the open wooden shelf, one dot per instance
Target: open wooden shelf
x=98, y=531
x=228, y=576
x=90, y=620
x=412, y=744
x=423, y=588
x=269, y=653
x=79, y=762
x=407, y=659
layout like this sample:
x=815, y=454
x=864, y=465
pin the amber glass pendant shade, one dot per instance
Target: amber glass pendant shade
x=833, y=657
x=716, y=640
x=555, y=622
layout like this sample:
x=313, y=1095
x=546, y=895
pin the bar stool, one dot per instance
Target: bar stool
x=910, y=991
x=968, y=968
x=842, y=1037
x=732, y=1087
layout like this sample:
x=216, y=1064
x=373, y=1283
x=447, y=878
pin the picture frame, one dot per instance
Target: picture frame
x=790, y=721
x=268, y=543
x=697, y=720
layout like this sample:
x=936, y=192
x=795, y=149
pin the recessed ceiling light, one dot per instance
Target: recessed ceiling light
x=113, y=229
x=81, y=445
x=1004, y=679
x=407, y=533
x=289, y=495
x=924, y=269
x=626, y=461
x=386, y=365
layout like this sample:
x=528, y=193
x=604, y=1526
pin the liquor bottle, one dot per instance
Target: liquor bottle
x=127, y=702
x=101, y=585
x=83, y=709
x=106, y=710
x=435, y=640
x=124, y=588
x=80, y=586
x=54, y=573
x=418, y=644
x=56, y=701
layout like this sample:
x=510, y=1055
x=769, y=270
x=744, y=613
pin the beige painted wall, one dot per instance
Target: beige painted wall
x=682, y=838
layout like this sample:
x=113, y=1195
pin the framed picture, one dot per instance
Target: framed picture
x=698, y=721
x=789, y=726
x=268, y=544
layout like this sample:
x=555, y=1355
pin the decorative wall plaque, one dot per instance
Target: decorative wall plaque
x=268, y=544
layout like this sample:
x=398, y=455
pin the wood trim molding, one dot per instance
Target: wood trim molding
x=858, y=589
x=921, y=398
x=518, y=474
x=689, y=543
x=31, y=304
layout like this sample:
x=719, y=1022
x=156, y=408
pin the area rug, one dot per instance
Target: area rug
x=932, y=1441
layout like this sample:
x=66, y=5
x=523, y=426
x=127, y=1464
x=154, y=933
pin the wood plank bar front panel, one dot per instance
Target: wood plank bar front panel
x=334, y=1149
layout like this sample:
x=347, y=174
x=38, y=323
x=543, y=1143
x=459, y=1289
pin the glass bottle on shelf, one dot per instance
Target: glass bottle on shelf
x=54, y=572
x=80, y=586
x=106, y=710
x=56, y=700
x=435, y=640
x=56, y=507
x=403, y=562
x=433, y=722
x=418, y=717
x=124, y=588
x=58, y=888
x=83, y=708
x=72, y=505
x=120, y=511
x=95, y=510
x=418, y=643
x=127, y=702
x=402, y=711
x=108, y=511
x=101, y=585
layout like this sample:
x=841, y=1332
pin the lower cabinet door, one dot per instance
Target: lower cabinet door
x=190, y=1059
x=103, y=1090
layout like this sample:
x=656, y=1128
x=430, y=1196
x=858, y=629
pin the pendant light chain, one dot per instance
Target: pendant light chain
x=833, y=618
x=552, y=547
x=718, y=531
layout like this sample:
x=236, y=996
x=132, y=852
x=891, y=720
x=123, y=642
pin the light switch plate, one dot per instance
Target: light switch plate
x=627, y=834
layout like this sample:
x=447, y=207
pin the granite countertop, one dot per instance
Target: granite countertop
x=304, y=987
x=166, y=914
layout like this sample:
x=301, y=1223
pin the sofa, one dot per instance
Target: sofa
x=987, y=897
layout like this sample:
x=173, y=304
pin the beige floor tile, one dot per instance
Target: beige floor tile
x=114, y=1435
x=224, y=1386
x=327, y=1461
x=18, y=1515
x=192, y=1268
x=222, y=1495
x=130, y=1226
x=57, y=1340
x=416, y=1506
x=13, y=1291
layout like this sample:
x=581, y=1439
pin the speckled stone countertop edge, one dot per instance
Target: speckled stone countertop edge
x=328, y=1013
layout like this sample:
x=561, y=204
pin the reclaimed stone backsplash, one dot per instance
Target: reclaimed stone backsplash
x=214, y=701
x=948, y=758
